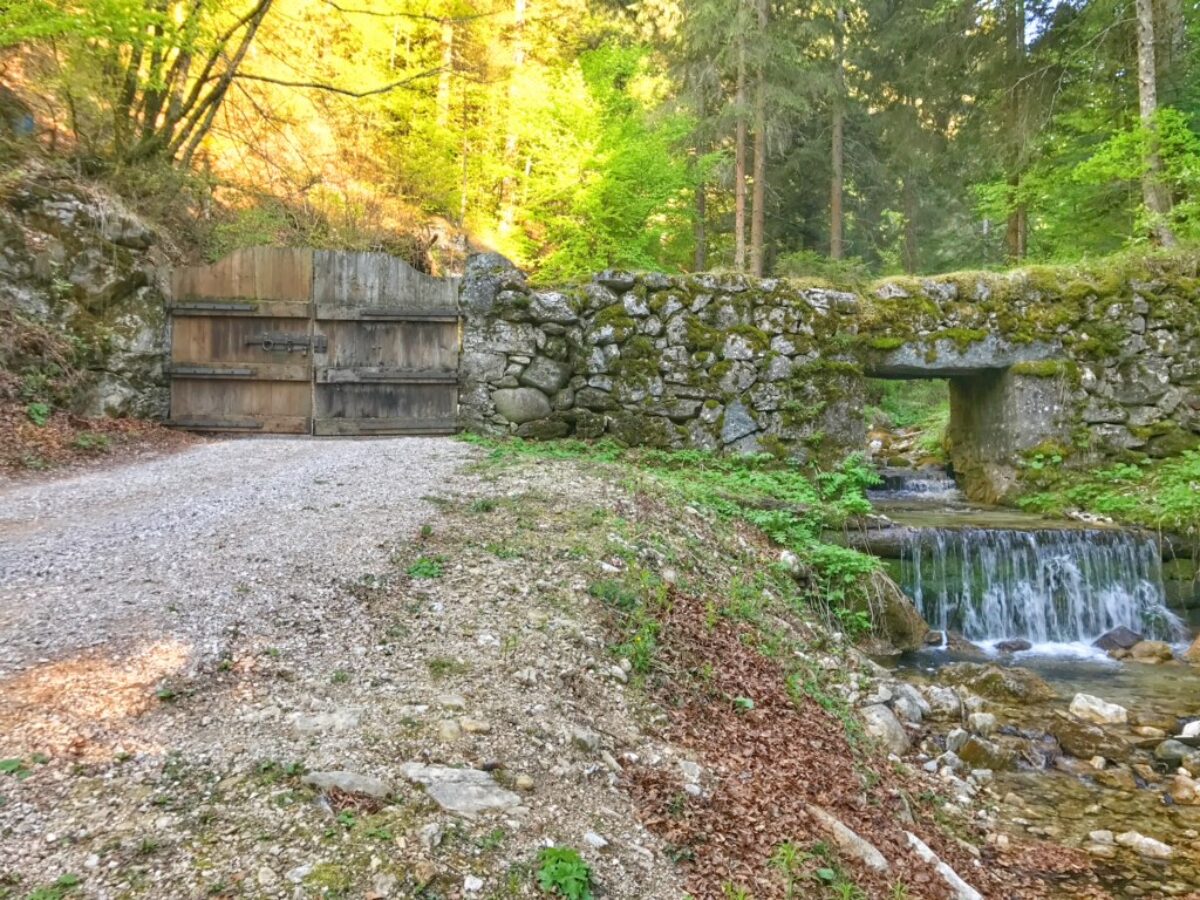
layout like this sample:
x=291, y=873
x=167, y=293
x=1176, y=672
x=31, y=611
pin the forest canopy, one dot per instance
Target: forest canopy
x=832, y=137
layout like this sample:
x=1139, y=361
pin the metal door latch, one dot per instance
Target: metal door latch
x=282, y=342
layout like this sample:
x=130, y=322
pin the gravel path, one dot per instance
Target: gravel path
x=206, y=542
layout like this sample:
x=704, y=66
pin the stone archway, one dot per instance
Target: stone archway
x=1004, y=402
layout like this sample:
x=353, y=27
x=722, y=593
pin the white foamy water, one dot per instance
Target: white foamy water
x=1058, y=589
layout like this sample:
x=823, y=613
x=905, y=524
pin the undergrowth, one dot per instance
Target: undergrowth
x=791, y=505
x=1161, y=494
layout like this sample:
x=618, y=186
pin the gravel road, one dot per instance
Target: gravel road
x=206, y=542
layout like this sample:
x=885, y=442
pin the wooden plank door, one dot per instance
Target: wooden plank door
x=242, y=343
x=390, y=339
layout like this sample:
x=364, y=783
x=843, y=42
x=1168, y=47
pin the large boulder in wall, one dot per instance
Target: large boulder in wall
x=521, y=405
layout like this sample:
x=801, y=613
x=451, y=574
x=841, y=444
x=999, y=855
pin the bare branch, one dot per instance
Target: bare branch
x=407, y=15
x=334, y=89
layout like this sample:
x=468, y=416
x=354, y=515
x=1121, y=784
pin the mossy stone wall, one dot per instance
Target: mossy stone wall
x=1082, y=365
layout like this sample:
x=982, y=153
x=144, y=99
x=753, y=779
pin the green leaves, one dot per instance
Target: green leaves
x=562, y=871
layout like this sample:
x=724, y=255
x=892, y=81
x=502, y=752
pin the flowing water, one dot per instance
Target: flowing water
x=994, y=576
x=919, y=484
x=1047, y=586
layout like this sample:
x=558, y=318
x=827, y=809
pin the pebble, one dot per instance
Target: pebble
x=449, y=730
x=524, y=783
x=266, y=877
x=472, y=884
x=594, y=840
x=1146, y=846
x=585, y=738
x=474, y=726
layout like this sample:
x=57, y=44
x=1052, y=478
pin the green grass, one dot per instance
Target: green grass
x=908, y=402
x=794, y=506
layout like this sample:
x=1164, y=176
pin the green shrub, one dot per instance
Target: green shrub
x=38, y=413
x=427, y=567
x=562, y=871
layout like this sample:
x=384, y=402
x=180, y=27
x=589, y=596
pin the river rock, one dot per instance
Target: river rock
x=1119, y=638
x=894, y=616
x=1191, y=731
x=944, y=702
x=1192, y=653
x=955, y=739
x=1084, y=740
x=1184, y=790
x=983, y=724
x=1008, y=684
x=980, y=753
x=1118, y=778
x=908, y=704
x=1171, y=752
x=1099, y=712
x=1152, y=652
x=1016, y=645
x=882, y=724
x=1146, y=846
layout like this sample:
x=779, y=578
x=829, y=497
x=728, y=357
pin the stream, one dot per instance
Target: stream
x=1001, y=587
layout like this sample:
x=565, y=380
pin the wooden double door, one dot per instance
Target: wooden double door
x=313, y=342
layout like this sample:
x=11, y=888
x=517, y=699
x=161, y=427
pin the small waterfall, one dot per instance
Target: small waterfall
x=915, y=484
x=1050, y=585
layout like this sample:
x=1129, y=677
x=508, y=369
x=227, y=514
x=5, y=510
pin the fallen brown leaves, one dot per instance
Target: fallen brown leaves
x=767, y=764
x=67, y=440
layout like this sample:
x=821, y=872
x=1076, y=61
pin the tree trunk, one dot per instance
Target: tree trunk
x=701, y=234
x=837, y=149
x=444, y=76
x=508, y=206
x=1154, y=193
x=739, y=165
x=1015, y=233
x=758, y=208
x=910, y=225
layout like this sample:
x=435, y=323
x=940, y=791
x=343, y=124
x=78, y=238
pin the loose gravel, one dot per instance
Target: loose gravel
x=196, y=546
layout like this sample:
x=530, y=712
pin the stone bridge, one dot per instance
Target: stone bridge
x=1088, y=366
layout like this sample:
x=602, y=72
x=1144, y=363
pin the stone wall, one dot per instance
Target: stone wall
x=73, y=259
x=706, y=361
x=1082, y=366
